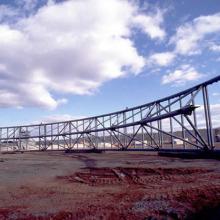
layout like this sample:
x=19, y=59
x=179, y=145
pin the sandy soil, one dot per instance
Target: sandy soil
x=113, y=185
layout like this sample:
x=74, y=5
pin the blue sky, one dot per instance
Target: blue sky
x=65, y=59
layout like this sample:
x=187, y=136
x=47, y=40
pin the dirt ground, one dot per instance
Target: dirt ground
x=111, y=185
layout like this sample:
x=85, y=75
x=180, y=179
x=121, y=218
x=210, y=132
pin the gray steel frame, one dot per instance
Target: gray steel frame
x=140, y=127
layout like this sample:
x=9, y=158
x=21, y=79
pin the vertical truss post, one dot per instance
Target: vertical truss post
x=19, y=138
x=207, y=117
x=194, y=116
x=142, y=130
x=39, y=139
x=77, y=129
x=210, y=119
x=133, y=127
x=151, y=134
x=45, y=139
x=58, y=138
x=171, y=125
x=118, y=136
x=7, y=138
x=161, y=127
x=51, y=138
x=70, y=136
x=110, y=121
x=83, y=134
x=26, y=138
x=96, y=134
x=63, y=134
x=88, y=135
x=158, y=126
x=14, y=140
x=182, y=122
x=151, y=130
x=103, y=134
x=125, y=128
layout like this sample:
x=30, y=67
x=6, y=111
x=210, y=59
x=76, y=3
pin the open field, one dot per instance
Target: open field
x=111, y=185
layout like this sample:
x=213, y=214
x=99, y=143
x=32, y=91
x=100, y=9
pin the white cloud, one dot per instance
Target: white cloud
x=215, y=47
x=187, y=41
x=189, y=35
x=57, y=118
x=71, y=47
x=151, y=24
x=180, y=76
x=161, y=59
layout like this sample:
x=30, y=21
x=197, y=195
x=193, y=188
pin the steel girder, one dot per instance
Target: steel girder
x=171, y=122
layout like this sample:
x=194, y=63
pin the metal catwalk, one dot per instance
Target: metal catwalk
x=179, y=121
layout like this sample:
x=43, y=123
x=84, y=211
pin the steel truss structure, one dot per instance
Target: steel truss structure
x=168, y=123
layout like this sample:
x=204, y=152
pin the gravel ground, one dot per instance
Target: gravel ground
x=111, y=185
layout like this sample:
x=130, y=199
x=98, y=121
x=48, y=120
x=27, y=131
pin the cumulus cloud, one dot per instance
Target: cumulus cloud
x=182, y=75
x=187, y=40
x=215, y=47
x=189, y=35
x=70, y=47
x=151, y=24
x=161, y=59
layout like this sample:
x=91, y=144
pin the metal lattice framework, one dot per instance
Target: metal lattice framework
x=168, y=123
